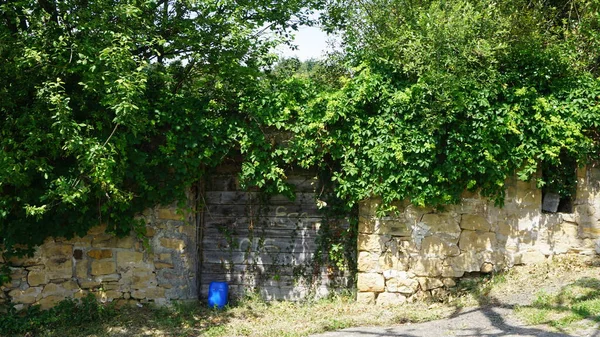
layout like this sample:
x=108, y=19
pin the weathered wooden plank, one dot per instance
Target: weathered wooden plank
x=253, y=257
x=290, y=211
x=262, y=222
x=260, y=244
x=255, y=198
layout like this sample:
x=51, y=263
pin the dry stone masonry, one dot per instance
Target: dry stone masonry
x=158, y=268
x=421, y=251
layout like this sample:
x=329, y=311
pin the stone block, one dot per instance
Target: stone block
x=368, y=261
x=165, y=258
x=423, y=266
x=81, y=269
x=391, y=261
x=101, y=267
x=402, y=283
x=433, y=246
x=532, y=257
x=372, y=282
x=88, y=283
x=394, y=226
x=104, y=241
x=126, y=242
x=37, y=277
x=449, y=282
x=163, y=265
x=390, y=299
x=466, y=262
x=176, y=244
x=372, y=242
x=169, y=214
x=49, y=302
x=474, y=222
x=99, y=254
x=27, y=296
x=442, y=224
x=471, y=241
x=486, y=267
x=143, y=280
x=188, y=230
x=428, y=283
x=150, y=231
x=365, y=297
x=127, y=259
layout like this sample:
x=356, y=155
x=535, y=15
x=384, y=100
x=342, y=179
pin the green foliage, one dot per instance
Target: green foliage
x=441, y=97
x=109, y=107
x=67, y=313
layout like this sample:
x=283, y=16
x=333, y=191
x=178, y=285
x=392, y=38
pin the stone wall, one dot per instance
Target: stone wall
x=421, y=251
x=158, y=268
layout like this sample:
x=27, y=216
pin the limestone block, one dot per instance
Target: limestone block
x=372, y=242
x=428, y=283
x=391, y=261
x=486, y=267
x=188, y=230
x=165, y=258
x=175, y=244
x=532, y=257
x=104, y=241
x=442, y=224
x=169, y=214
x=70, y=285
x=368, y=261
x=474, y=222
x=52, y=289
x=423, y=266
x=103, y=267
x=162, y=265
x=373, y=282
x=449, y=271
x=81, y=242
x=155, y=293
x=81, y=269
x=49, y=302
x=126, y=242
x=88, y=283
x=143, y=280
x=365, y=297
x=527, y=194
x=150, y=231
x=99, y=254
x=468, y=261
x=390, y=299
x=59, y=261
x=395, y=226
x=36, y=276
x=433, y=246
x=27, y=296
x=402, y=284
x=128, y=259
x=506, y=228
x=471, y=241
x=449, y=282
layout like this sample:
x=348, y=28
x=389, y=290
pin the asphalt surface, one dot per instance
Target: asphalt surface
x=486, y=322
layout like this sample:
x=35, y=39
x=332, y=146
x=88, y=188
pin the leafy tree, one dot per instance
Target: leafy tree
x=110, y=106
x=443, y=96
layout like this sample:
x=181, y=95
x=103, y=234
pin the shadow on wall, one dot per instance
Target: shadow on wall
x=421, y=251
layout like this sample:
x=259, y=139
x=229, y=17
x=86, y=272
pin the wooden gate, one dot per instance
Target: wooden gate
x=258, y=244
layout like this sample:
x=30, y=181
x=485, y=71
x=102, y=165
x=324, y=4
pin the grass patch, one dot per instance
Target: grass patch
x=575, y=302
x=67, y=315
x=248, y=317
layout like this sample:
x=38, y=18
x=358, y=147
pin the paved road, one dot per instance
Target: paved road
x=481, y=322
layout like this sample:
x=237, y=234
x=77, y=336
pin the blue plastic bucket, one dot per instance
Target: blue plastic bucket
x=217, y=294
